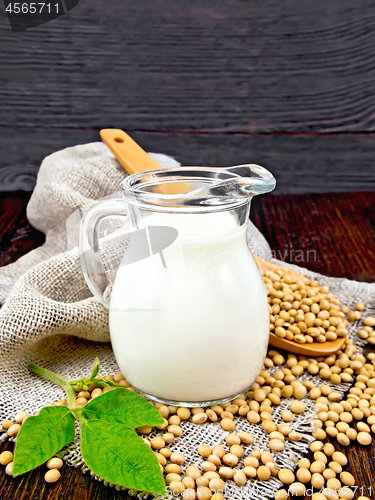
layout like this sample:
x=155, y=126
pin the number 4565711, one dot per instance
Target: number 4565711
x=31, y=8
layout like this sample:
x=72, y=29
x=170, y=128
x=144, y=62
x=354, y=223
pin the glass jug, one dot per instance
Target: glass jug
x=188, y=313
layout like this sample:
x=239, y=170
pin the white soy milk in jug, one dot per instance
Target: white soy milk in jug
x=173, y=317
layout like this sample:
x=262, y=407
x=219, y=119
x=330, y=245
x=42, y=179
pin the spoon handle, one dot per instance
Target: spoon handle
x=134, y=159
x=131, y=156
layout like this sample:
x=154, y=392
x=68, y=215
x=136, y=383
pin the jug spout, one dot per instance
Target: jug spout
x=243, y=182
x=200, y=188
x=254, y=179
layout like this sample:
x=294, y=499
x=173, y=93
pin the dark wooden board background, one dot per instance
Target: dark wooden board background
x=209, y=81
x=301, y=163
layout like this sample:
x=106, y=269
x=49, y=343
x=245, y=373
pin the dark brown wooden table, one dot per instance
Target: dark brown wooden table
x=335, y=233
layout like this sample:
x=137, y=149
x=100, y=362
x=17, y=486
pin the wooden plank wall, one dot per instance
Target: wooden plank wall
x=289, y=85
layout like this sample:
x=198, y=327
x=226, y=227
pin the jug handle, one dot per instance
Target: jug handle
x=91, y=262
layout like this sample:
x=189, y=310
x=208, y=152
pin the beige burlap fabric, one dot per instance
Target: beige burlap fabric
x=49, y=316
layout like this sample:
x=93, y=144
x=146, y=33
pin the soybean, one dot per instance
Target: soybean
x=55, y=463
x=286, y=476
x=52, y=475
x=6, y=457
x=263, y=473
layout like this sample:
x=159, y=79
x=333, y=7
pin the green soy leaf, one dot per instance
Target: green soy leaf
x=117, y=454
x=123, y=407
x=102, y=382
x=95, y=368
x=41, y=437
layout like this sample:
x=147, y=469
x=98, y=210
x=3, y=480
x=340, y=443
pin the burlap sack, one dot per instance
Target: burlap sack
x=49, y=316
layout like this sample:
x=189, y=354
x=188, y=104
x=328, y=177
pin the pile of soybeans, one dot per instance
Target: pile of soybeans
x=300, y=311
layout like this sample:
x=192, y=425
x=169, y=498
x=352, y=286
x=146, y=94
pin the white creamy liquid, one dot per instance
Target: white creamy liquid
x=196, y=330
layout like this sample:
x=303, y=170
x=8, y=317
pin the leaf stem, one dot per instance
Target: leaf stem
x=46, y=373
x=70, y=394
x=57, y=379
x=77, y=412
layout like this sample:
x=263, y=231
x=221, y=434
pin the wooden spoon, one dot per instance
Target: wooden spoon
x=134, y=159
